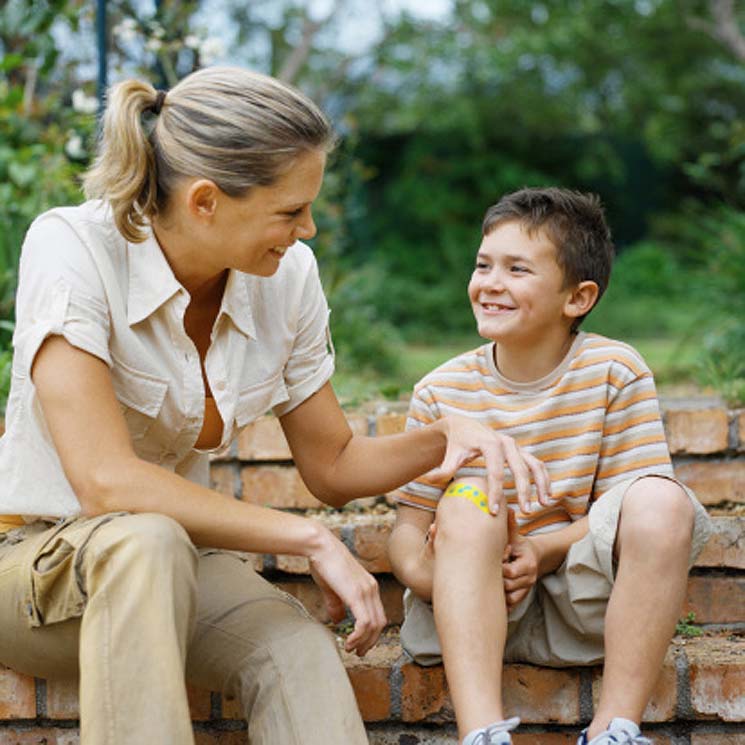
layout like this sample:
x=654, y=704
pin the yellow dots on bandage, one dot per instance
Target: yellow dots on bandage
x=471, y=493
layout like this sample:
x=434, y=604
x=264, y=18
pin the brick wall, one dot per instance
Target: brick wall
x=700, y=697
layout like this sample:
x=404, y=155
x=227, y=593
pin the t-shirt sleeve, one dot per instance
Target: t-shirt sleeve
x=60, y=293
x=311, y=362
x=423, y=492
x=633, y=442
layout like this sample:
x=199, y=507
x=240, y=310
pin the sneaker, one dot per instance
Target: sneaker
x=495, y=734
x=620, y=732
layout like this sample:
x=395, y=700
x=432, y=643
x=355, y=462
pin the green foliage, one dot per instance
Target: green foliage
x=688, y=627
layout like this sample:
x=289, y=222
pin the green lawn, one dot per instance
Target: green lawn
x=671, y=360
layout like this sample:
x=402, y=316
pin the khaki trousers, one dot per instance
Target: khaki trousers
x=128, y=604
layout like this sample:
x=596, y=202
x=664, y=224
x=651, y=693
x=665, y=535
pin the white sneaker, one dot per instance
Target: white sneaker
x=495, y=734
x=620, y=732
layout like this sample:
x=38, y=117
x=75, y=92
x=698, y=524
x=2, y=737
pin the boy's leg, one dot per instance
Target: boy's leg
x=257, y=644
x=469, y=606
x=653, y=545
x=114, y=597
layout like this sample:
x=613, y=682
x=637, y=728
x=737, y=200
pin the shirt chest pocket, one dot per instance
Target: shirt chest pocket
x=255, y=399
x=140, y=395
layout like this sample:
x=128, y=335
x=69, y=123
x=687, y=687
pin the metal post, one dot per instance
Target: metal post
x=102, y=43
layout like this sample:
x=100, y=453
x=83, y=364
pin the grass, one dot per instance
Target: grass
x=672, y=361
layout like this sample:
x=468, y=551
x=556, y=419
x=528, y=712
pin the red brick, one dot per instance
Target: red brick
x=370, y=679
x=424, y=695
x=390, y=424
x=741, y=429
x=263, y=440
x=541, y=695
x=200, y=703
x=726, y=547
x=716, y=599
x=39, y=736
x=544, y=738
x=661, y=706
x=307, y=592
x=715, y=481
x=223, y=478
x=17, y=695
x=371, y=545
x=62, y=699
x=717, y=738
x=717, y=678
x=276, y=486
x=358, y=424
x=697, y=431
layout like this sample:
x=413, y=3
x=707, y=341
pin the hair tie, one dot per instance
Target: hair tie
x=158, y=105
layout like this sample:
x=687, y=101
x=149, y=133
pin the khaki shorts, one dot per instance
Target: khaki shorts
x=561, y=621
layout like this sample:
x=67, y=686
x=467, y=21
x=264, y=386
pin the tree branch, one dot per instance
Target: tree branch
x=725, y=27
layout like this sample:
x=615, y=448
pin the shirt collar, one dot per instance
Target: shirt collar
x=151, y=280
x=236, y=303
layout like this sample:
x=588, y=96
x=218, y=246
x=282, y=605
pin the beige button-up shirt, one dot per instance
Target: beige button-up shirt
x=120, y=301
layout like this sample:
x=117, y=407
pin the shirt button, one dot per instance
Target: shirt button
x=220, y=385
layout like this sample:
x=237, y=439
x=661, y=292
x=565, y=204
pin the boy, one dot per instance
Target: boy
x=552, y=582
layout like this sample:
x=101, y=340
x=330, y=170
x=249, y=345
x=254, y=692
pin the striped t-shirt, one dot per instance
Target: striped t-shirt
x=594, y=421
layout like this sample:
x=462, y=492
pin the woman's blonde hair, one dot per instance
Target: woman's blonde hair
x=238, y=128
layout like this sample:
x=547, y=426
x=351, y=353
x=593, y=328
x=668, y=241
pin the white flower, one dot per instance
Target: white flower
x=126, y=30
x=192, y=41
x=153, y=45
x=157, y=31
x=74, y=147
x=83, y=103
x=210, y=49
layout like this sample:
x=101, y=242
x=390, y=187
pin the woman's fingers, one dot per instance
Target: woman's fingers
x=369, y=616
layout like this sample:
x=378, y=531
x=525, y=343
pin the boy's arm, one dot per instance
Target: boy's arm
x=552, y=548
x=411, y=557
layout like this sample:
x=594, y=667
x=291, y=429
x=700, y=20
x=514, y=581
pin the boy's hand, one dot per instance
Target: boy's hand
x=467, y=439
x=519, y=564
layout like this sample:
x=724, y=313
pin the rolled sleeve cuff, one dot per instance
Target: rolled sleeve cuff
x=306, y=388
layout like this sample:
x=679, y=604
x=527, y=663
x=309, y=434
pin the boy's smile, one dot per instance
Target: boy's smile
x=518, y=294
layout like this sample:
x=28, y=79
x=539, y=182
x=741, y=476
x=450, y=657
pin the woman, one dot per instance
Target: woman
x=153, y=322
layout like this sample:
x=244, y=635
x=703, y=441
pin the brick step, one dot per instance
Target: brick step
x=700, y=694
x=366, y=532
x=713, y=600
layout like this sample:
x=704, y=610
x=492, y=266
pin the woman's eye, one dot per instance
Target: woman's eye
x=294, y=213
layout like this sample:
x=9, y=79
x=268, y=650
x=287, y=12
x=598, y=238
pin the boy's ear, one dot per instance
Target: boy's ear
x=581, y=299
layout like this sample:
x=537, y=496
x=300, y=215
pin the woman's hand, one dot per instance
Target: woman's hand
x=519, y=564
x=346, y=584
x=467, y=439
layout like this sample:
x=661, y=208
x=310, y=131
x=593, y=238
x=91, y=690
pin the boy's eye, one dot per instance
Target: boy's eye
x=482, y=265
x=519, y=269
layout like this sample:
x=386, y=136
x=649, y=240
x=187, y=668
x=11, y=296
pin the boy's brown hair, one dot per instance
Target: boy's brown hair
x=574, y=222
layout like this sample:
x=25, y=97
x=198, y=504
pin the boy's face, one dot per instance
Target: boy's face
x=516, y=289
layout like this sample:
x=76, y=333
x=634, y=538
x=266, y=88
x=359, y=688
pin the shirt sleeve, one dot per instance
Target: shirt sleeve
x=60, y=293
x=423, y=492
x=633, y=442
x=311, y=362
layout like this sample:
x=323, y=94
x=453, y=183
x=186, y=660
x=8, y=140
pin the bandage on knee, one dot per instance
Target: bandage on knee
x=471, y=493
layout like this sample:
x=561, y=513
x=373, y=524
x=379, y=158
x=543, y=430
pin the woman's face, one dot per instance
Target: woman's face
x=252, y=233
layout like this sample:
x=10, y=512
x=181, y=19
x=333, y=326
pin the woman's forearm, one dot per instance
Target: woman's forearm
x=210, y=518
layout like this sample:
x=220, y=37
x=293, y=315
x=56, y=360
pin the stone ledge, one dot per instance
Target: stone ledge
x=702, y=686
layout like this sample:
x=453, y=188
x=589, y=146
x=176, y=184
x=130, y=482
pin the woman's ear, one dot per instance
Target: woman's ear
x=581, y=299
x=201, y=199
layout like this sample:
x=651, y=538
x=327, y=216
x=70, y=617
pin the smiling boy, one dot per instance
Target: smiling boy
x=596, y=572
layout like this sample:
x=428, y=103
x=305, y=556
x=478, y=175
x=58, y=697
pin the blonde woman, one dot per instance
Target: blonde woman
x=153, y=322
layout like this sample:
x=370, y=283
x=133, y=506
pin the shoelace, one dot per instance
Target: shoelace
x=484, y=738
x=621, y=737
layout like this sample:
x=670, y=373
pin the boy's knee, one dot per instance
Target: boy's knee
x=658, y=508
x=462, y=522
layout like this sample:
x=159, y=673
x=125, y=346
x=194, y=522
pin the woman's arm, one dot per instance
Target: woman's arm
x=338, y=466
x=93, y=444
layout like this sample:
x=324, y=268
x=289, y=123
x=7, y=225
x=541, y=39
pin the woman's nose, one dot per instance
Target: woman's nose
x=306, y=227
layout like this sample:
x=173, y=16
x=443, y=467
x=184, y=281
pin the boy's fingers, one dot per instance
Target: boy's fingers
x=541, y=478
x=494, y=461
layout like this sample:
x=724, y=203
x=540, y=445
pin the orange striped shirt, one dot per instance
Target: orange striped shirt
x=594, y=421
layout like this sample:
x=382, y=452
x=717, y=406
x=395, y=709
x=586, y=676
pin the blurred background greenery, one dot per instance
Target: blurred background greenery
x=441, y=108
